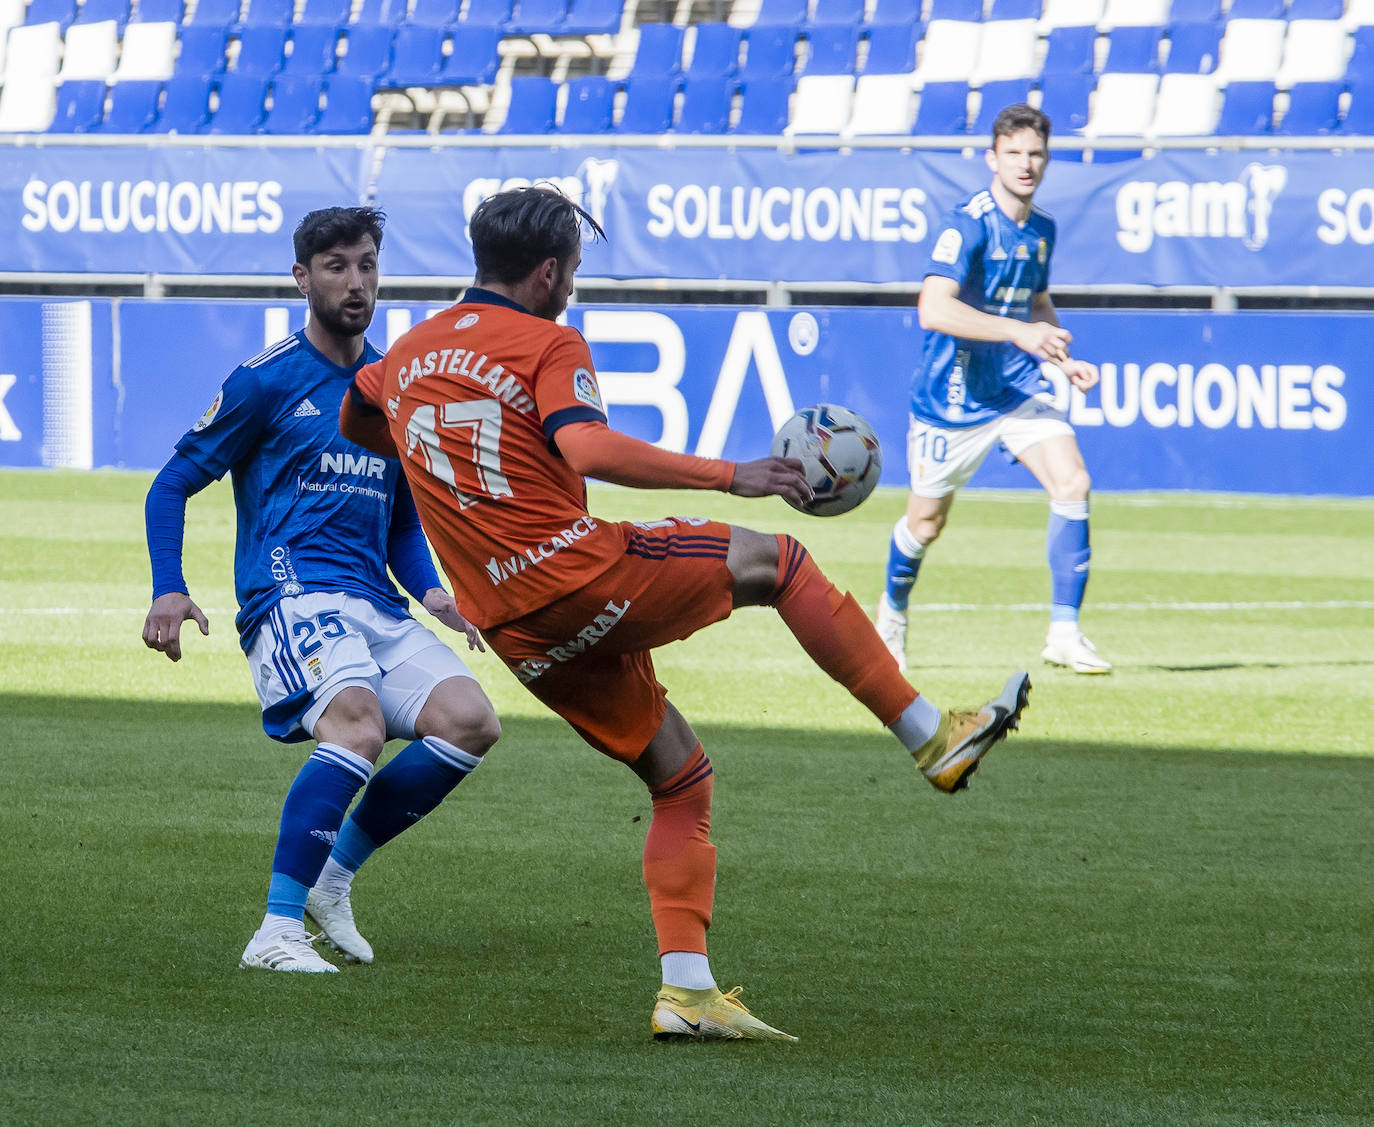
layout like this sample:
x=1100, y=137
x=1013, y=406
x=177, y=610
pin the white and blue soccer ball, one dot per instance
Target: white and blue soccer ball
x=839, y=453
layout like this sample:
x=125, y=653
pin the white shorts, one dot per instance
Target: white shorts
x=312, y=647
x=942, y=459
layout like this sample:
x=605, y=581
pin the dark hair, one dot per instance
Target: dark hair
x=514, y=231
x=336, y=226
x=1020, y=116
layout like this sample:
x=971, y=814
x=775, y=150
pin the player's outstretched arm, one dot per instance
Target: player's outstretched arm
x=164, y=514
x=162, y=627
x=942, y=311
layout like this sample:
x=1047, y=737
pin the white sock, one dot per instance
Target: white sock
x=334, y=878
x=1064, y=629
x=917, y=724
x=688, y=970
x=906, y=543
x=275, y=926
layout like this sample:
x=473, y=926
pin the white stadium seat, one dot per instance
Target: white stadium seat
x=821, y=104
x=29, y=97
x=1070, y=13
x=1123, y=106
x=1188, y=105
x=149, y=52
x=1251, y=51
x=1313, y=51
x=884, y=104
x=11, y=15
x=1358, y=13
x=90, y=50
x=1006, y=50
x=1135, y=13
x=948, y=52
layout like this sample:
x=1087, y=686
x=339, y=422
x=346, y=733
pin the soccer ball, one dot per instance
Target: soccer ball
x=839, y=453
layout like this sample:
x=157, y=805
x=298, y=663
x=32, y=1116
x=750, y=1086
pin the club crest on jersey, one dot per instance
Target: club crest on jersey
x=291, y=587
x=1022, y=253
x=585, y=389
x=466, y=321
x=210, y=413
x=948, y=246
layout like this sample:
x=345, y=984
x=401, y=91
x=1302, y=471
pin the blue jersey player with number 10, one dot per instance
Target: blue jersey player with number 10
x=332, y=650
x=990, y=326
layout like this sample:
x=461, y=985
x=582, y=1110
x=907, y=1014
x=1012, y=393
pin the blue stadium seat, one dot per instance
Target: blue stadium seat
x=1247, y=109
x=591, y=99
x=1255, y=10
x=659, y=51
x=1189, y=11
x=1361, y=63
x=80, y=106
x=384, y=13
x=1193, y=47
x=367, y=51
x=474, y=58
x=943, y=110
x=966, y=11
x=1014, y=10
x=593, y=17
x=133, y=105
x=1133, y=50
x=832, y=49
x=1069, y=50
x=845, y=13
x=1064, y=99
x=261, y=51
x=533, y=103
x=268, y=13
x=648, y=104
x=98, y=11
x=717, y=51
x=61, y=12
x=314, y=50
x=295, y=105
x=764, y=105
x=434, y=13
x=997, y=96
x=538, y=17
x=347, y=106
x=781, y=13
x=1359, y=114
x=705, y=104
x=1315, y=9
x=1314, y=109
x=770, y=52
x=240, y=108
x=905, y=12
x=160, y=11
x=185, y=105
x=202, y=51
x=892, y=49
x=223, y=14
x=417, y=57
x=488, y=13
x=324, y=13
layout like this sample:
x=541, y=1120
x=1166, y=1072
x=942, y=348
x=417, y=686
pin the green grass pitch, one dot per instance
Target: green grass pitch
x=1154, y=906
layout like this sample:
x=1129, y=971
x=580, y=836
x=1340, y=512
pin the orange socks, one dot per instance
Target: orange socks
x=679, y=859
x=837, y=635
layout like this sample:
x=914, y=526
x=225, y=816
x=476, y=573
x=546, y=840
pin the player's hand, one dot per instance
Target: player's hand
x=1081, y=374
x=162, y=627
x=1043, y=340
x=772, y=477
x=443, y=606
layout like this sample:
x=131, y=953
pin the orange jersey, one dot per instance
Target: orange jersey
x=472, y=398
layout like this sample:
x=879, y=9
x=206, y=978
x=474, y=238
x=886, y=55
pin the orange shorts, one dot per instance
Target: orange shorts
x=586, y=655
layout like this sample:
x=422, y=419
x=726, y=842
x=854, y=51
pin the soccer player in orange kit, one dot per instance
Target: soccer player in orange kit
x=495, y=410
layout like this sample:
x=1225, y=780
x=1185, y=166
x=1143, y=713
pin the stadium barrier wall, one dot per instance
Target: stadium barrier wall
x=1245, y=402
x=866, y=215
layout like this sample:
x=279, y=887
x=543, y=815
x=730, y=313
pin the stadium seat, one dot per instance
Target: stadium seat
x=842, y=13
x=487, y=13
x=268, y=13
x=1015, y=10
x=33, y=50
x=1132, y=50
x=1313, y=51
x=381, y=13
x=89, y=51
x=159, y=11
x=1315, y=10
x=591, y=101
x=1361, y=63
x=1193, y=48
x=537, y=17
x=942, y=110
x=1134, y=13
x=1190, y=11
x=781, y=13
x=1188, y=105
x=892, y=49
x=1070, y=13
x=884, y=105
x=1250, y=50
x=240, y=108
x=533, y=104
x=821, y=104
x=715, y=50
x=295, y=105
x=261, y=51
x=1006, y=50
x=202, y=51
x=185, y=105
x=994, y=98
x=416, y=59
x=659, y=51
x=831, y=49
x=888, y=13
x=648, y=104
x=98, y=11
x=769, y=53
x=1358, y=13
x=1314, y=109
x=1064, y=98
x=28, y=103
x=1069, y=50
x=1359, y=114
x=763, y=106
x=80, y=105
x=223, y=14
x=966, y=11
x=593, y=17
x=133, y=105
x=324, y=13
x=1123, y=106
x=1255, y=10
x=314, y=50
x=60, y=12
x=347, y=106
x=474, y=58
x=951, y=49
x=434, y=13
x=1247, y=109
x=705, y=105
x=367, y=51
x=149, y=52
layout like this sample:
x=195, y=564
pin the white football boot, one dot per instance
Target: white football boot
x=333, y=915
x=1071, y=649
x=290, y=951
x=891, y=626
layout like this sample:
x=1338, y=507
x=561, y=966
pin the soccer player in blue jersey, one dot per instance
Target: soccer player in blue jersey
x=990, y=325
x=333, y=652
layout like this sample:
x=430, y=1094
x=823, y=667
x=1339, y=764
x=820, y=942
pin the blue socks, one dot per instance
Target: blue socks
x=1066, y=546
x=904, y=557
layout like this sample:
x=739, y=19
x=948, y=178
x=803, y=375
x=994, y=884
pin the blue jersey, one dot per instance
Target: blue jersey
x=1000, y=266
x=314, y=510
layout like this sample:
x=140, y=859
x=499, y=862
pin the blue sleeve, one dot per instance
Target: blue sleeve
x=407, y=550
x=1050, y=239
x=959, y=243
x=164, y=516
x=230, y=427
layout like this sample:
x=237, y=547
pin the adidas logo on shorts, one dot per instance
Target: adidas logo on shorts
x=306, y=409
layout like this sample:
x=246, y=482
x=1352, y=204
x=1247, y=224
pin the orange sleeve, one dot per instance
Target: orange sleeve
x=595, y=450
x=360, y=415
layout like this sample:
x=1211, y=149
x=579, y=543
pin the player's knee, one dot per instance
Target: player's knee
x=464, y=719
x=477, y=734
x=927, y=530
x=1075, y=485
x=353, y=719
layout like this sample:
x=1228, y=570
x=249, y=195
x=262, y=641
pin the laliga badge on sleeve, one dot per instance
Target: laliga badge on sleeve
x=585, y=389
x=210, y=413
x=948, y=246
